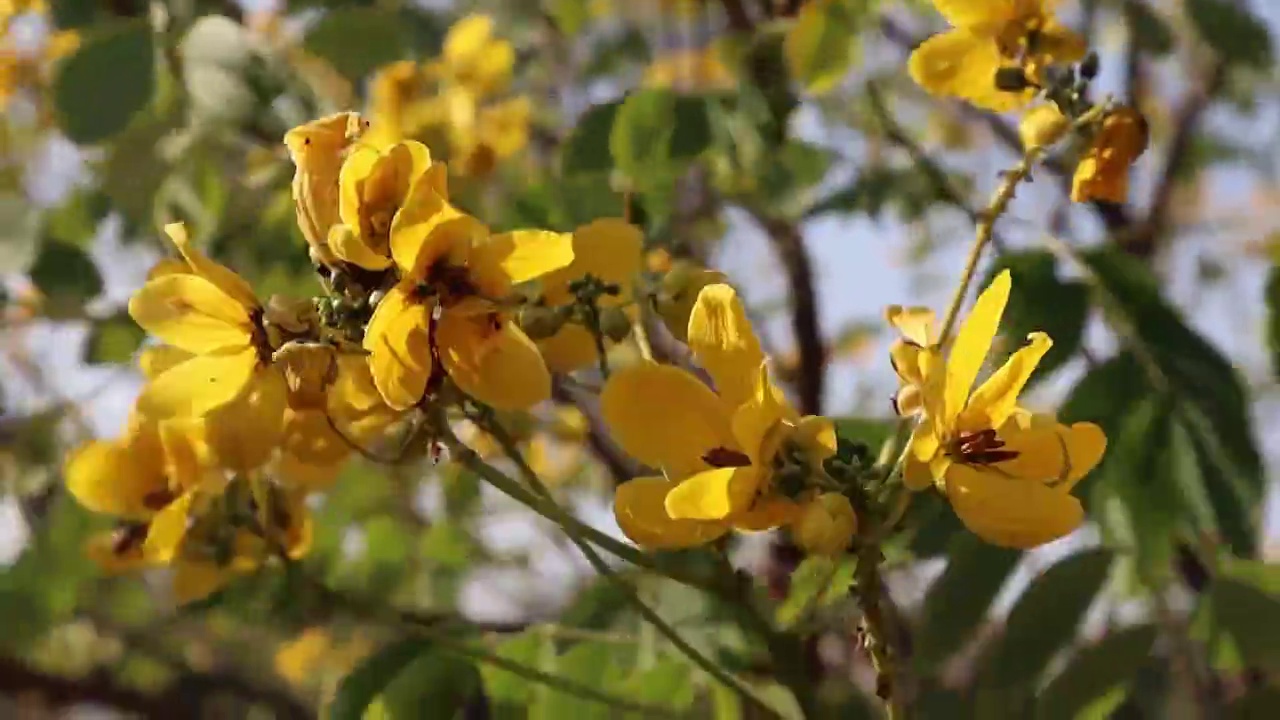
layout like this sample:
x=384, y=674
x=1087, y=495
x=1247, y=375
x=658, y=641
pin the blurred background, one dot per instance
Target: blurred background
x=825, y=194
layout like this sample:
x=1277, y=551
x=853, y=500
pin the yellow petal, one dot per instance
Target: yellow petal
x=428, y=229
x=714, y=494
x=1053, y=453
x=197, y=579
x=356, y=169
x=817, y=436
x=191, y=313
x=768, y=513
x=197, y=386
x=1011, y=512
x=350, y=247
x=905, y=359
x=755, y=421
x=493, y=361
x=995, y=400
x=724, y=343
x=399, y=348
x=917, y=325
x=571, y=348
x=103, y=549
x=223, y=277
x=156, y=359
x=355, y=404
x=312, y=453
x=1059, y=44
x=639, y=507
x=105, y=477
x=522, y=255
x=608, y=249
x=925, y=442
x=245, y=432
x=186, y=453
x=664, y=417
x=961, y=63
x=168, y=529
x=825, y=525
x=972, y=343
x=916, y=475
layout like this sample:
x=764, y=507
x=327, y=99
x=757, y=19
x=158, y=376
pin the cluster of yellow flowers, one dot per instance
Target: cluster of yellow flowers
x=1001, y=55
x=27, y=68
x=457, y=103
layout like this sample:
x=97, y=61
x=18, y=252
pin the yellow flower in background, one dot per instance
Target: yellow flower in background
x=449, y=260
x=690, y=69
x=918, y=329
x=1103, y=172
x=393, y=91
x=473, y=59
x=1007, y=473
x=318, y=149
x=609, y=250
x=719, y=450
x=988, y=35
x=373, y=186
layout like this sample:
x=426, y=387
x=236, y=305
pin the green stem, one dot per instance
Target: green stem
x=473, y=461
x=877, y=631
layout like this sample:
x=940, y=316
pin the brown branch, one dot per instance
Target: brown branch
x=789, y=244
x=602, y=446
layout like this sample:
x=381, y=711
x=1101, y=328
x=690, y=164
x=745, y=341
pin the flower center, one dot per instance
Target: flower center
x=723, y=457
x=128, y=537
x=980, y=448
x=449, y=282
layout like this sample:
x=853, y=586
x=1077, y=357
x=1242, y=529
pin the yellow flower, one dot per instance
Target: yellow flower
x=826, y=525
x=1008, y=474
x=449, y=263
x=392, y=91
x=917, y=326
x=1103, y=172
x=609, y=250
x=719, y=450
x=204, y=309
x=374, y=186
x=690, y=69
x=988, y=35
x=318, y=149
x=474, y=59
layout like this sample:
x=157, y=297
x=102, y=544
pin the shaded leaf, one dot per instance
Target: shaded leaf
x=1040, y=301
x=1045, y=619
x=114, y=340
x=668, y=683
x=958, y=602
x=819, y=46
x=1150, y=30
x=435, y=684
x=1273, y=317
x=359, y=688
x=73, y=14
x=502, y=686
x=66, y=276
x=817, y=582
x=109, y=79
x=357, y=40
x=654, y=128
x=1232, y=30
x=20, y=232
x=587, y=148
x=1251, y=617
x=586, y=663
x=1095, y=671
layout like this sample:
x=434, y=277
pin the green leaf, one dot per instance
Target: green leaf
x=1150, y=30
x=586, y=663
x=73, y=14
x=1232, y=30
x=1210, y=398
x=819, y=46
x=108, y=80
x=502, y=686
x=817, y=582
x=1040, y=301
x=66, y=276
x=587, y=148
x=356, y=41
x=959, y=600
x=654, y=130
x=435, y=684
x=668, y=683
x=1251, y=617
x=1095, y=671
x=20, y=233
x=359, y=688
x=1045, y=619
x=114, y=340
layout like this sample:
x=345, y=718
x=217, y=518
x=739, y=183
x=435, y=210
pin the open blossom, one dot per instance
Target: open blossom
x=445, y=313
x=318, y=149
x=373, y=186
x=988, y=35
x=1007, y=473
x=720, y=451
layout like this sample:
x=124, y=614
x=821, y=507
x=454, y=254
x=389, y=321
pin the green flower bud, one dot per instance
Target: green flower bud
x=614, y=324
x=539, y=322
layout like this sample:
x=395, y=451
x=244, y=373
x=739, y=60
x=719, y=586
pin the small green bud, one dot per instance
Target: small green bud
x=1089, y=66
x=539, y=322
x=1011, y=79
x=615, y=324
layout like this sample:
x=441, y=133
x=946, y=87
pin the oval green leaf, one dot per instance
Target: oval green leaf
x=99, y=89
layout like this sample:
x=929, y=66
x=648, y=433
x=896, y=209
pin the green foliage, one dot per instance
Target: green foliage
x=1150, y=30
x=656, y=129
x=911, y=191
x=821, y=46
x=818, y=582
x=1233, y=31
x=67, y=277
x=114, y=340
x=73, y=14
x=108, y=81
x=958, y=602
x=1095, y=671
x=587, y=148
x=1251, y=617
x=1272, y=298
x=356, y=41
x=20, y=226
x=363, y=685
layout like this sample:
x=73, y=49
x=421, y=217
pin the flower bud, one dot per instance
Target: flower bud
x=614, y=323
x=539, y=322
x=1012, y=79
x=1043, y=125
x=309, y=369
x=826, y=525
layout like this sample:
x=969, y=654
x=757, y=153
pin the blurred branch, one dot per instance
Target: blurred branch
x=619, y=465
x=788, y=242
x=20, y=680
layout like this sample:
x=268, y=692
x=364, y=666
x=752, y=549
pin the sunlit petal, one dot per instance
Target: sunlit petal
x=972, y=343
x=1011, y=512
x=639, y=506
x=714, y=494
x=724, y=343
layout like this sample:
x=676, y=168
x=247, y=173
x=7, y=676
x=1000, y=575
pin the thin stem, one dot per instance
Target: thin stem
x=597, y=334
x=876, y=631
x=470, y=459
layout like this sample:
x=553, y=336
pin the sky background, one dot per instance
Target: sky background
x=861, y=265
